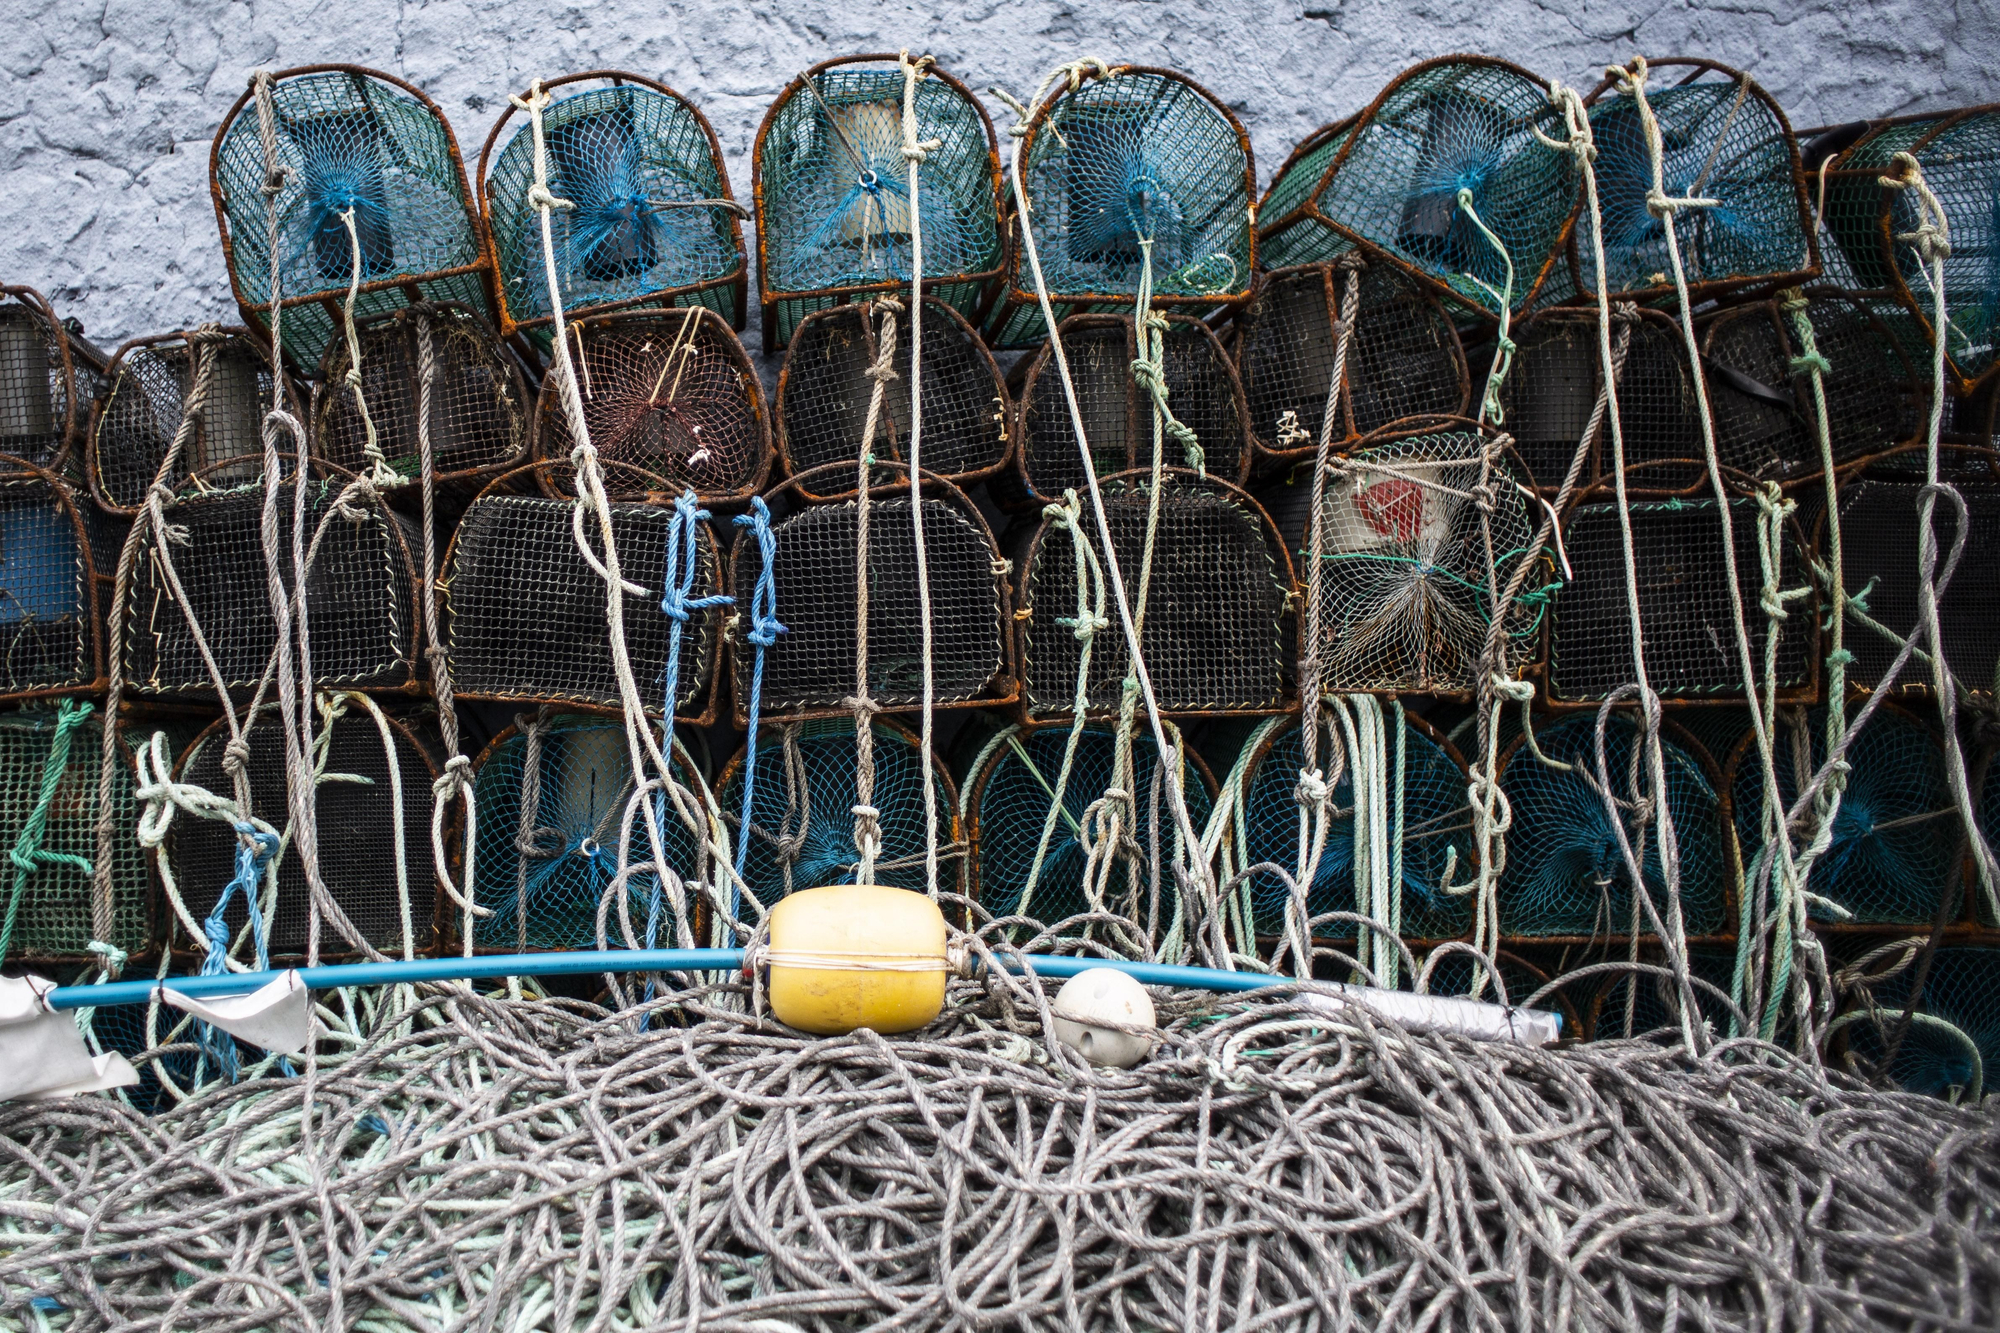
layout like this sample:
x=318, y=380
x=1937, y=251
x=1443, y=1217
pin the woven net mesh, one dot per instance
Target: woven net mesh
x=49, y=543
x=552, y=796
x=479, y=406
x=1683, y=603
x=348, y=140
x=638, y=166
x=1212, y=617
x=358, y=595
x=1435, y=834
x=672, y=396
x=1403, y=360
x=1565, y=874
x=824, y=392
x=1895, y=847
x=150, y=384
x=1962, y=989
x=1879, y=522
x=355, y=808
x=37, y=399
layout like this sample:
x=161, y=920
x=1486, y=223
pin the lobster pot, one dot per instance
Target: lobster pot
x=360, y=613
x=824, y=393
x=834, y=211
x=1429, y=830
x=801, y=832
x=372, y=806
x=1652, y=999
x=1894, y=853
x=1566, y=877
x=151, y=392
x=529, y=618
x=1009, y=801
x=1213, y=632
x=1140, y=165
x=552, y=792
x=478, y=403
x=51, y=594
x=809, y=671
x=350, y=140
x=1403, y=360
x=1722, y=138
x=1684, y=604
x=48, y=377
x=672, y=397
x=1389, y=179
x=1203, y=393
x=651, y=219
x=1405, y=592
x=1952, y=1048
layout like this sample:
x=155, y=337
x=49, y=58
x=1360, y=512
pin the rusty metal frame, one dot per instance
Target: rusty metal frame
x=97, y=584
x=75, y=416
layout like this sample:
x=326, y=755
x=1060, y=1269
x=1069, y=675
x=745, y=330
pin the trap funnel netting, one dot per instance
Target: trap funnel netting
x=1435, y=832
x=348, y=139
x=1565, y=875
x=1213, y=617
x=1010, y=796
x=355, y=803
x=1390, y=179
x=1403, y=360
x=478, y=403
x=824, y=392
x=359, y=595
x=1896, y=835
x=1963, y=990
x=52, y=546
x=1721, y=138
x=45, y=383
x=1141, y=155
x=528, y=614
x=651, y=219
x=671, y=395
x=833, y=192
x=551, y=794
x=801, y=832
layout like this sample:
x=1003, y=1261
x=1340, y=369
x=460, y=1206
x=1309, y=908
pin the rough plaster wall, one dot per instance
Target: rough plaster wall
x=112, y=103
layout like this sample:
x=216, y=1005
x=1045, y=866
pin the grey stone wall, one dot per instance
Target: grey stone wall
x=111, y=104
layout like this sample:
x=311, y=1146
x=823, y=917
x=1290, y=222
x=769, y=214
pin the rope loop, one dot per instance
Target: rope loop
x=457, y=776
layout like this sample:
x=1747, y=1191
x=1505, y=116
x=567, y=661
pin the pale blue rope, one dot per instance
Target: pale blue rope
x=763, y=632
x=254, y=850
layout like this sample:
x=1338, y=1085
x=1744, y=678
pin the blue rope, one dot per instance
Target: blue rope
x=254, y=850
x=764, y=631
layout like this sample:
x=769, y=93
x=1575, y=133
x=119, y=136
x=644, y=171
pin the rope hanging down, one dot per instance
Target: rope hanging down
x=914, y=154
x=867, y=819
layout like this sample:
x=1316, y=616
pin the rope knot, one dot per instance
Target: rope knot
x=236, y=757
x=1312, y=790
x=113, y=957
x=1811, y=363
x=855, y=703
x=539, y=197
x=457, y=777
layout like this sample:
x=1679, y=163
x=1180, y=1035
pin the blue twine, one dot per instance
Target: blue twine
x=676, y=585
x=254, y=850
x=764, y=631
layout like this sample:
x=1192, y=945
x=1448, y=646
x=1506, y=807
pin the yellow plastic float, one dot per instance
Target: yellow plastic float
x=850, y=956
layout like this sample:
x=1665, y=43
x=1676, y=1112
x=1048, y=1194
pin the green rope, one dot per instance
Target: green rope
x=1490, y=412
x=27, y=853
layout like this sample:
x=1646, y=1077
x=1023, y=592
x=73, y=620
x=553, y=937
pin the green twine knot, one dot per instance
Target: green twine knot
x=1149, y=376
x=1840, y=659
x=1811, y=362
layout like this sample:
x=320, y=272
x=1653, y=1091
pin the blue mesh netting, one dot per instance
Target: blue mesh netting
x=48, y=632
x=1963, y=989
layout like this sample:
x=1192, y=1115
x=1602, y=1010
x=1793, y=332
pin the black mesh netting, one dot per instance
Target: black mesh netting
x=49, y=545
x=1879, y=522
x=40, y=402
x=1961, y=1000
x=1762, y=427
x=1646, y=1002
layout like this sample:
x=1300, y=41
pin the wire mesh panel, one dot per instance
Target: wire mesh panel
x=528, y=617
x=1722, y=138
x=672, y=396
x=833, y=192
x=1895, y=848
x=1962, y=990
x=1403, y=360
x=1566, y=875
x=478, y=402
x=349, y=141
x=824, y=392
x=356, y=802
x=360, y=614
x=1389, y=179
x=51, y=594
x=1430, y=830
x=810, y=670
x=651, y=219
x=1683, y=593
x=1138, y=166
x=1761, y=426
x=801, y=832
x=1211, y=610
x=47, y=380
x=1202, y=392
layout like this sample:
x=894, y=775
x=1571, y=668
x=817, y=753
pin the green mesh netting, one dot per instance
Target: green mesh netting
x=1963, y=989
x=641, y=170
x=833, y=198
x=1012, y=797
x=1565, y=874
x=348, y=139
x=1436, y=828
x=48, y=620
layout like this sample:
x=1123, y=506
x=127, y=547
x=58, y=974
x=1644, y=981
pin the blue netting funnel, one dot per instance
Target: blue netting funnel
x=1896, y=837
x=1435, y=833
x=1962, y=990
x=1008, y=802
x=801, y=832
x=1565, y=876
x=1722, y=138
x=1133, y=157
x=652, y=220
x=1390, y=180
x=552, y=792
x=353, y=139
x=833, y=196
